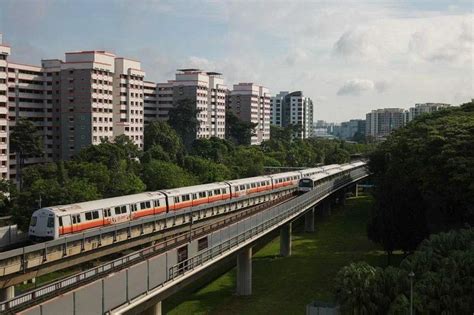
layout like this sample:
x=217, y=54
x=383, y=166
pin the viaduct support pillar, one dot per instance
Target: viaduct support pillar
x=357, y=190
x=285, y=240
x=326, y=207
x=244, y=272
x=309, y=221
x=153, y=310
x=7, y=293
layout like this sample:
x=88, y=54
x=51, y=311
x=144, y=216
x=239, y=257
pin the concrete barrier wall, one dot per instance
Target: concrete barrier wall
x=10, y=235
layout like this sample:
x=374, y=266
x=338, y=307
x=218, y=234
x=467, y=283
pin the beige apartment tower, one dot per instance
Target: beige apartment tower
x=251, y=103
x=4, y=165
x=205, y=89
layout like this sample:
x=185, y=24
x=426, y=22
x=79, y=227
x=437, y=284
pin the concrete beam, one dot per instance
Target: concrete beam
x=7, y=293
x=153, y=310
x=285, y=240
x=244, y=272
x=309, y=221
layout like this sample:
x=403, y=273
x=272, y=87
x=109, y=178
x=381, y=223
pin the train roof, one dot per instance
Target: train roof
x=330, y=166
x=194, y=189
x=105, y=203
x=311, y=170
x=286, y=174
x=248, y=180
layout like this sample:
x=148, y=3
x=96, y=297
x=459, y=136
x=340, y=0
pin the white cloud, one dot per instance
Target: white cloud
x=356, y=87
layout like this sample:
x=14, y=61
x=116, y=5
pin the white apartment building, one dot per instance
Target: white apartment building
x=251, y=102
x=293, y=109
x=4, y=53
x=30, y=96
x=380, y=123
x=150, y=109
x=128, y=95
x=425, y=108
x=206, y=90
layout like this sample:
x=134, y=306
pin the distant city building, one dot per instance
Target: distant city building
x=349, y=129
x=251, y=102
x=381, y=122
x=293, y=109
x=206, y=90
x=420, y=109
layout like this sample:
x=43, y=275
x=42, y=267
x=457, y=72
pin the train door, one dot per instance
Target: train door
x=182, y=258
x=76, y=223
x=64, y=224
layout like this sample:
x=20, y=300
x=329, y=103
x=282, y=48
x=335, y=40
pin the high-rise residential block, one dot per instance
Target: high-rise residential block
x=380, y=123
x=421, y=109
x=129, y=100
x=251, y=103
x=150, y=110
x=293, y=109
x=4, y=153
x=206, y=90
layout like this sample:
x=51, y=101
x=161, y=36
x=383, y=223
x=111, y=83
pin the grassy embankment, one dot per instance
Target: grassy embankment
x=286, y=285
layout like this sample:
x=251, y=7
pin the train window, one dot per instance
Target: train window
x=60, y=221
x=88, y=216
x=202, y=194
x=185, y=197
x=148, y=204
x=33, y=221
x=124, y=209
x=117, y=210
x=203, y=243
x=50, y=222
x=74, y=219
x=253, y=185
x=156, y=203
x=224, y=191
x=195, y=196
x=142, y=205
x=236, y=188
x=95, y=214
x=176, y=199
x=248, y=186
x=209, y=193
x=242, y=187
x=133, y=207
x=217, y=191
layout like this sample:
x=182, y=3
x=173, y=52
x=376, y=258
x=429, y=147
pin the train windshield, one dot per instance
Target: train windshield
x=50, y=222
x=306, y=183
x=33, y=221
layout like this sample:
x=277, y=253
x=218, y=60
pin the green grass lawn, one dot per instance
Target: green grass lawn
x=284, y=285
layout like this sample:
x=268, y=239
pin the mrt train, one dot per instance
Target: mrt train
x=58, y=221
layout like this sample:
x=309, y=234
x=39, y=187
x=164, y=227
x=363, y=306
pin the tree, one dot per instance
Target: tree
x=214, y=149
x=238, y=131
x=424, y=179
x=160, y=133
x=183, y=118
x=353, y=286
x=207, y=171
x=25, y=142
x=443, y=266
x=164, y=175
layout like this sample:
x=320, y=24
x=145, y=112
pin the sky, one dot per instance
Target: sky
x=349, y=56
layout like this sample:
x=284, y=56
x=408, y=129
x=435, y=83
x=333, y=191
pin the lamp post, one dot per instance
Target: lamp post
x=411, y=275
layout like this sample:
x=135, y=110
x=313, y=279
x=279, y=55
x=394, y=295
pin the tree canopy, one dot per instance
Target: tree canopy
x=443, y=268
x=183, y=118
x=238, y=131
x=424, y=176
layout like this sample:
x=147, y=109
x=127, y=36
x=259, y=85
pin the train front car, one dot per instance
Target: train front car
x=43, y=225
x=305, y=184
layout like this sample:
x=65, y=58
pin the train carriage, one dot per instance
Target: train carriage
x=191, y=196
x=247, y=186
x=54, y=222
